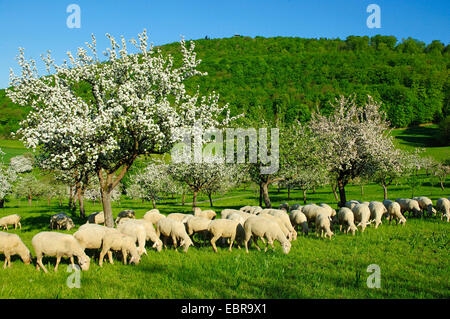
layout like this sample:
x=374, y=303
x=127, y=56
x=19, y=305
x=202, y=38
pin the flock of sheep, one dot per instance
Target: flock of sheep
x=242, y=226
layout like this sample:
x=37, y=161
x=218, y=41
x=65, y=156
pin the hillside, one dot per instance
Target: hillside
x=283, y=78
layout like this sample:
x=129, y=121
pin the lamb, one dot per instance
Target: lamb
x=125, y=214
x=177, y=216
x=377, y=210
x=10, y=220
x=59, y=245
x=153, y=216
x=96, y=218
x=394, y=211
x=11, y=244
x=227, y=211
x=298, y=218
x=119, y=242
x=286, y=221
x=169, y=227
x=225, y=228
x=209, y=213
x=136, y=231
x=351, y=203
x=323, y=224
x=409, y=205
x=262, y=227
x=426, y=204
x=443, y=206
x=345, y=217
x=362, y=215
x=61, y=221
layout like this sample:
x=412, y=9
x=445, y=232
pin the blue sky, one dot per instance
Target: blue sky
x=41, y=25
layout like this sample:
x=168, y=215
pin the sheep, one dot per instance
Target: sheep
x=345, y=217
x=11, y=244
x=169, y=227
x=125, y=214
x=394, y=211
x=298, y=218
x=136, y=231
x=227, y=211
x=312, y=210
x=295, y=207
x=362, y=215
x=119, y=242
x=96, y=218
x=177, y=216
x=59, y=245
x=197, y=225
x=377, y=210
x=153, y=216
x=409, y=205
x=331, y=211
x=149, y=232
x=351, y=203
x=236, y=217
x=256, y=226
x=284, y=206
x=426, y=204
x=90, y=236
x=225, y=228
x=323, y=224
x=209, y=213
x=10, y=220
x=61, y=221
x=251, y=209
x=443, y=206
x=280, y=223
x=286, y=221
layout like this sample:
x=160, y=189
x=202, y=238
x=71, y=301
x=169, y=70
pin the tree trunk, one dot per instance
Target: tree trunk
x=265, y=189
x=442, y=184
x=70, y=197
x=362, y=190
x=29, y=200
x=194, y=199
x=183, y=199
x=107, y=209
x=80, y=197
x=384, y=191
x=260, y=194
x=210, y=199
x=48, y=200
x=314, y=189
x=333, y=188
x=2, y=203
x=341, y=187
x=289, y=193
x=154, y=203
x=304, y=196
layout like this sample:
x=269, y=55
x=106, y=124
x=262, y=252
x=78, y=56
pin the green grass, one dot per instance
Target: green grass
x=12, y=148
x=413, y=259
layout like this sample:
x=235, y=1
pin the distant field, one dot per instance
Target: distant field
x=12, y=148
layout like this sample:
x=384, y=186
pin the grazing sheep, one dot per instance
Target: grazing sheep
x=323, y=224
x=119, y=242
x=426, y=204
x=409, y=205
x=286, y=221
x=153, y=216
x=256, y=226
x=346, y=217
x=61, y=221
x=10, y=220
x=311, y=211
x=169, y=227
x=280, y=223
x=443, y=206
x=251, y=209
x=96, y=218
x=295, y=207
x=362, y=215
x=351, y=203
x=227, y=211
x=125, y=214
x=284, y=206
x=149, y=232
x=135, y=231
x=90, y=236
x=197, y=225
x=395, y=211
x=331, y=211
x=237, y=217
x=209, y=213
x=59, y=245
x=298, y=218
x=10, y=245
x=178, y=216
x=226, y=228
x=377, y=210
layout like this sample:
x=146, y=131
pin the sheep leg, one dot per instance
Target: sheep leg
x=232, y=241
x=255, y=240
x=58, y=260
x=6, y=262
x=174, y=240
x=124, y=254
x=213, y=242
x=102, y=255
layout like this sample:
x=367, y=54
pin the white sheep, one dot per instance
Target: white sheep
x=259, y=227
x=426, y=204
x=59, y=245
x=136, y=231
x=346, y=217
x=286, y=221
x=90, y=236
x=331, y=211
x=323, y=225
x=362, y=215
x=236, y=217
x=96, y=218
x=227, y=211
x=395, y=211
x=10, y=220
x=119, y=242
x=153, y=216
x=150, y=233
x=280, y=223
x=251, y=209
x=312, y=210
x=409, y=205
x=351, y=203
x=178, y=216
x=10, y=245
x=226, y=228
x=197, y=225
x=377, y=210
x=168, y=227
x=299, y=219
x=443, y=206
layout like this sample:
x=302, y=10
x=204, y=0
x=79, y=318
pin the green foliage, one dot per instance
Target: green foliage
x=444, y=131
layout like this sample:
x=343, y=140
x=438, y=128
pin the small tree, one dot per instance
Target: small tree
x=442, y=170
x=29, y=187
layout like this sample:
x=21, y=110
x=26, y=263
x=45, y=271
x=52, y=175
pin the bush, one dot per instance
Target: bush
x=444, y=131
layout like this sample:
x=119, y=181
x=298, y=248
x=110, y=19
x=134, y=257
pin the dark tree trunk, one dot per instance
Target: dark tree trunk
x=2, y=203
x=265, y=189
x=154, y=203
x=210, y=199
x=341, y=187
x=183, y=199
x=107, y=209
x=304, y=196
x=29, y=200
x=333, y=188
x=385, y=191
x=289, y=193
x=260, y=194
x=80, y=196
x=194, y=199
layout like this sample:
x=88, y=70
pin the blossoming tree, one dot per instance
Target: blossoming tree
x=131, y=105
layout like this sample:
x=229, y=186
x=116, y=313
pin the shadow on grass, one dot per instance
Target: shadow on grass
x=420, y=136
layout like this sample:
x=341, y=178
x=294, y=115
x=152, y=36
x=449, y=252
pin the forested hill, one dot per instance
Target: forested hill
x=283, y=78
